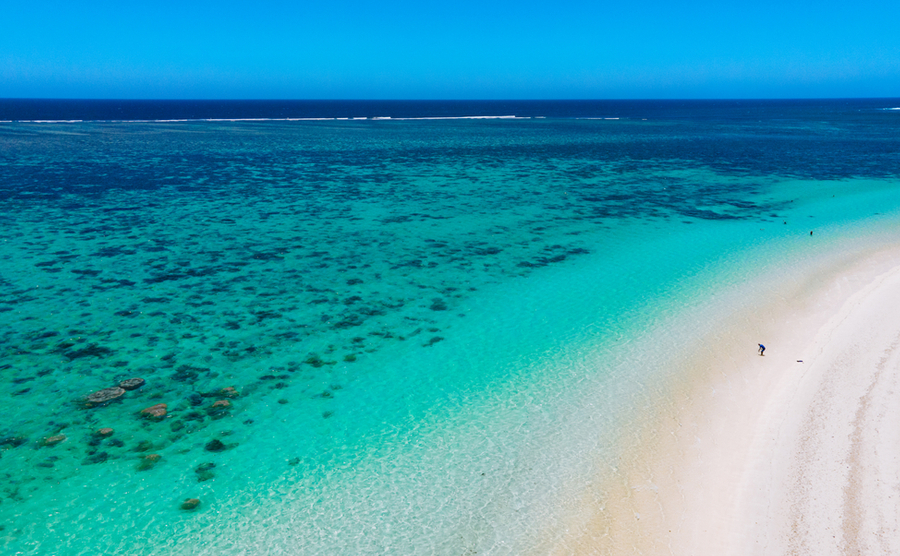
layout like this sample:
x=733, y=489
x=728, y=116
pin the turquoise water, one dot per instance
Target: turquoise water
x=437, y=330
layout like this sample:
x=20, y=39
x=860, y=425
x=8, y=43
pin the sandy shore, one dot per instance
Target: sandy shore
x=796, y=452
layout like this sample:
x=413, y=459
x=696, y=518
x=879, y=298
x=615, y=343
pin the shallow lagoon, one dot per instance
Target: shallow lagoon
x=411, y=312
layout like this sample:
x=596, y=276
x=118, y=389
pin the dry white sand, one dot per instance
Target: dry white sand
x=769, y=455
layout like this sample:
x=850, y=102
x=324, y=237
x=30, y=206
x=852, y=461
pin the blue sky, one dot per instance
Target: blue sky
x=466, y=49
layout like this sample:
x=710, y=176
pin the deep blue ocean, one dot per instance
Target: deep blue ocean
x=382, y=327
x=708, y=111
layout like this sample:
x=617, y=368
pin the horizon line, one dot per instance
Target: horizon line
x=444, y=99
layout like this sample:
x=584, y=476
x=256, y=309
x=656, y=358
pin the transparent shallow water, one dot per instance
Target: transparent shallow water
x=411, y=312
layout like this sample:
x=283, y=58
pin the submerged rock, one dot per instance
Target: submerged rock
x=204, y=472
x=314, y=360
x=101, y=397
x=193, y=416
x=13, y=441
x=99, y=457
x=190, y=504
x=143, y=446
x=215, y=445
x=148, y=461
x=53, y=440
x=187, y=373
x=104, y=432
x=155, y=412
x=131, y=383
x=216, y=414
x=219, y=409
x=229, y=392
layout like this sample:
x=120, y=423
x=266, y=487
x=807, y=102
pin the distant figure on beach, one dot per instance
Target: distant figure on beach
x=762, y=349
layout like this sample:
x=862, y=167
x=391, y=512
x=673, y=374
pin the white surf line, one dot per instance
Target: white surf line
x=347, y=118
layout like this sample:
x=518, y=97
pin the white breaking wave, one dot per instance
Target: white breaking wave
x=356, y=118
x=461, y=118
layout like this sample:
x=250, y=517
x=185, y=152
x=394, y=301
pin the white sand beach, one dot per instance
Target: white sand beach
x=795, y=452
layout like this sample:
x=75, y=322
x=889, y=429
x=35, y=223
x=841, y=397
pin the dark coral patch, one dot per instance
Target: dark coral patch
x=93, y=350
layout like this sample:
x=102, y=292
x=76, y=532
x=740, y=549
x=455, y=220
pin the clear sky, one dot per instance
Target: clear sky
x=459, y=49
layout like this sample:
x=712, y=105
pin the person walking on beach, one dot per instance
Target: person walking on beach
x=762, y=349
